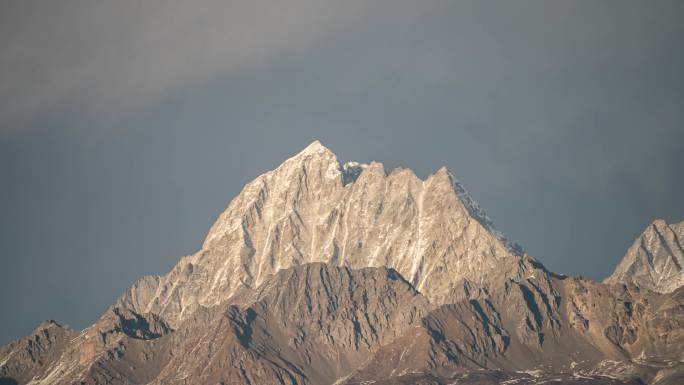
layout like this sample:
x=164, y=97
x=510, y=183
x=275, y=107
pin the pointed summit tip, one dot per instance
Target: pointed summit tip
x=46, y=325
x=444, y=170
x=443, y=173
x=314, y=147
x=657, y=225
x=313, y=150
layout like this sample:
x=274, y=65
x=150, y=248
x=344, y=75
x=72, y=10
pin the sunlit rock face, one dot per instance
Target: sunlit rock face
x=314, y=209
x=656, y=259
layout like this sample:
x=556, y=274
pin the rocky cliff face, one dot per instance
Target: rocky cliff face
x=656, y=259
x=322, y=273
x=313, y=209
x=32, y=355
x=321, y=324
x=308, y=324
x=588, y=333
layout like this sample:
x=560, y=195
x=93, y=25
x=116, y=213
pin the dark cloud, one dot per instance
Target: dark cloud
x=111, y=57
x=128, y=126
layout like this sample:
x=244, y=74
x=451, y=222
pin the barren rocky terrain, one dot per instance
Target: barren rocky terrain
x=327, y=273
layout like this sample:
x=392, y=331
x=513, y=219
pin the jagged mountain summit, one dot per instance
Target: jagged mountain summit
x=313, y=209
x=326, y=273
x=656, y=259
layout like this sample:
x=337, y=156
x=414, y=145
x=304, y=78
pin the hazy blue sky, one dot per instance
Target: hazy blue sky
x=127, y=126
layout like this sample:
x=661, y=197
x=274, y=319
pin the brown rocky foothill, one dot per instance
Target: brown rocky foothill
x=327, y=273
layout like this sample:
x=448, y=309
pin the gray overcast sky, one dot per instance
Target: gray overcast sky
x=127, y=126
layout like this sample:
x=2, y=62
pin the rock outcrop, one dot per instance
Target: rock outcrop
x=31, y=355
x=656, y=259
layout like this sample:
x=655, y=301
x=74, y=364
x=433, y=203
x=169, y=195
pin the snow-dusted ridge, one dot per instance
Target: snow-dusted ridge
x=477, y=212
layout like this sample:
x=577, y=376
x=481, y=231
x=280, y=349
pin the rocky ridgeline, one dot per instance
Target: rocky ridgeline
x=322, y=273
